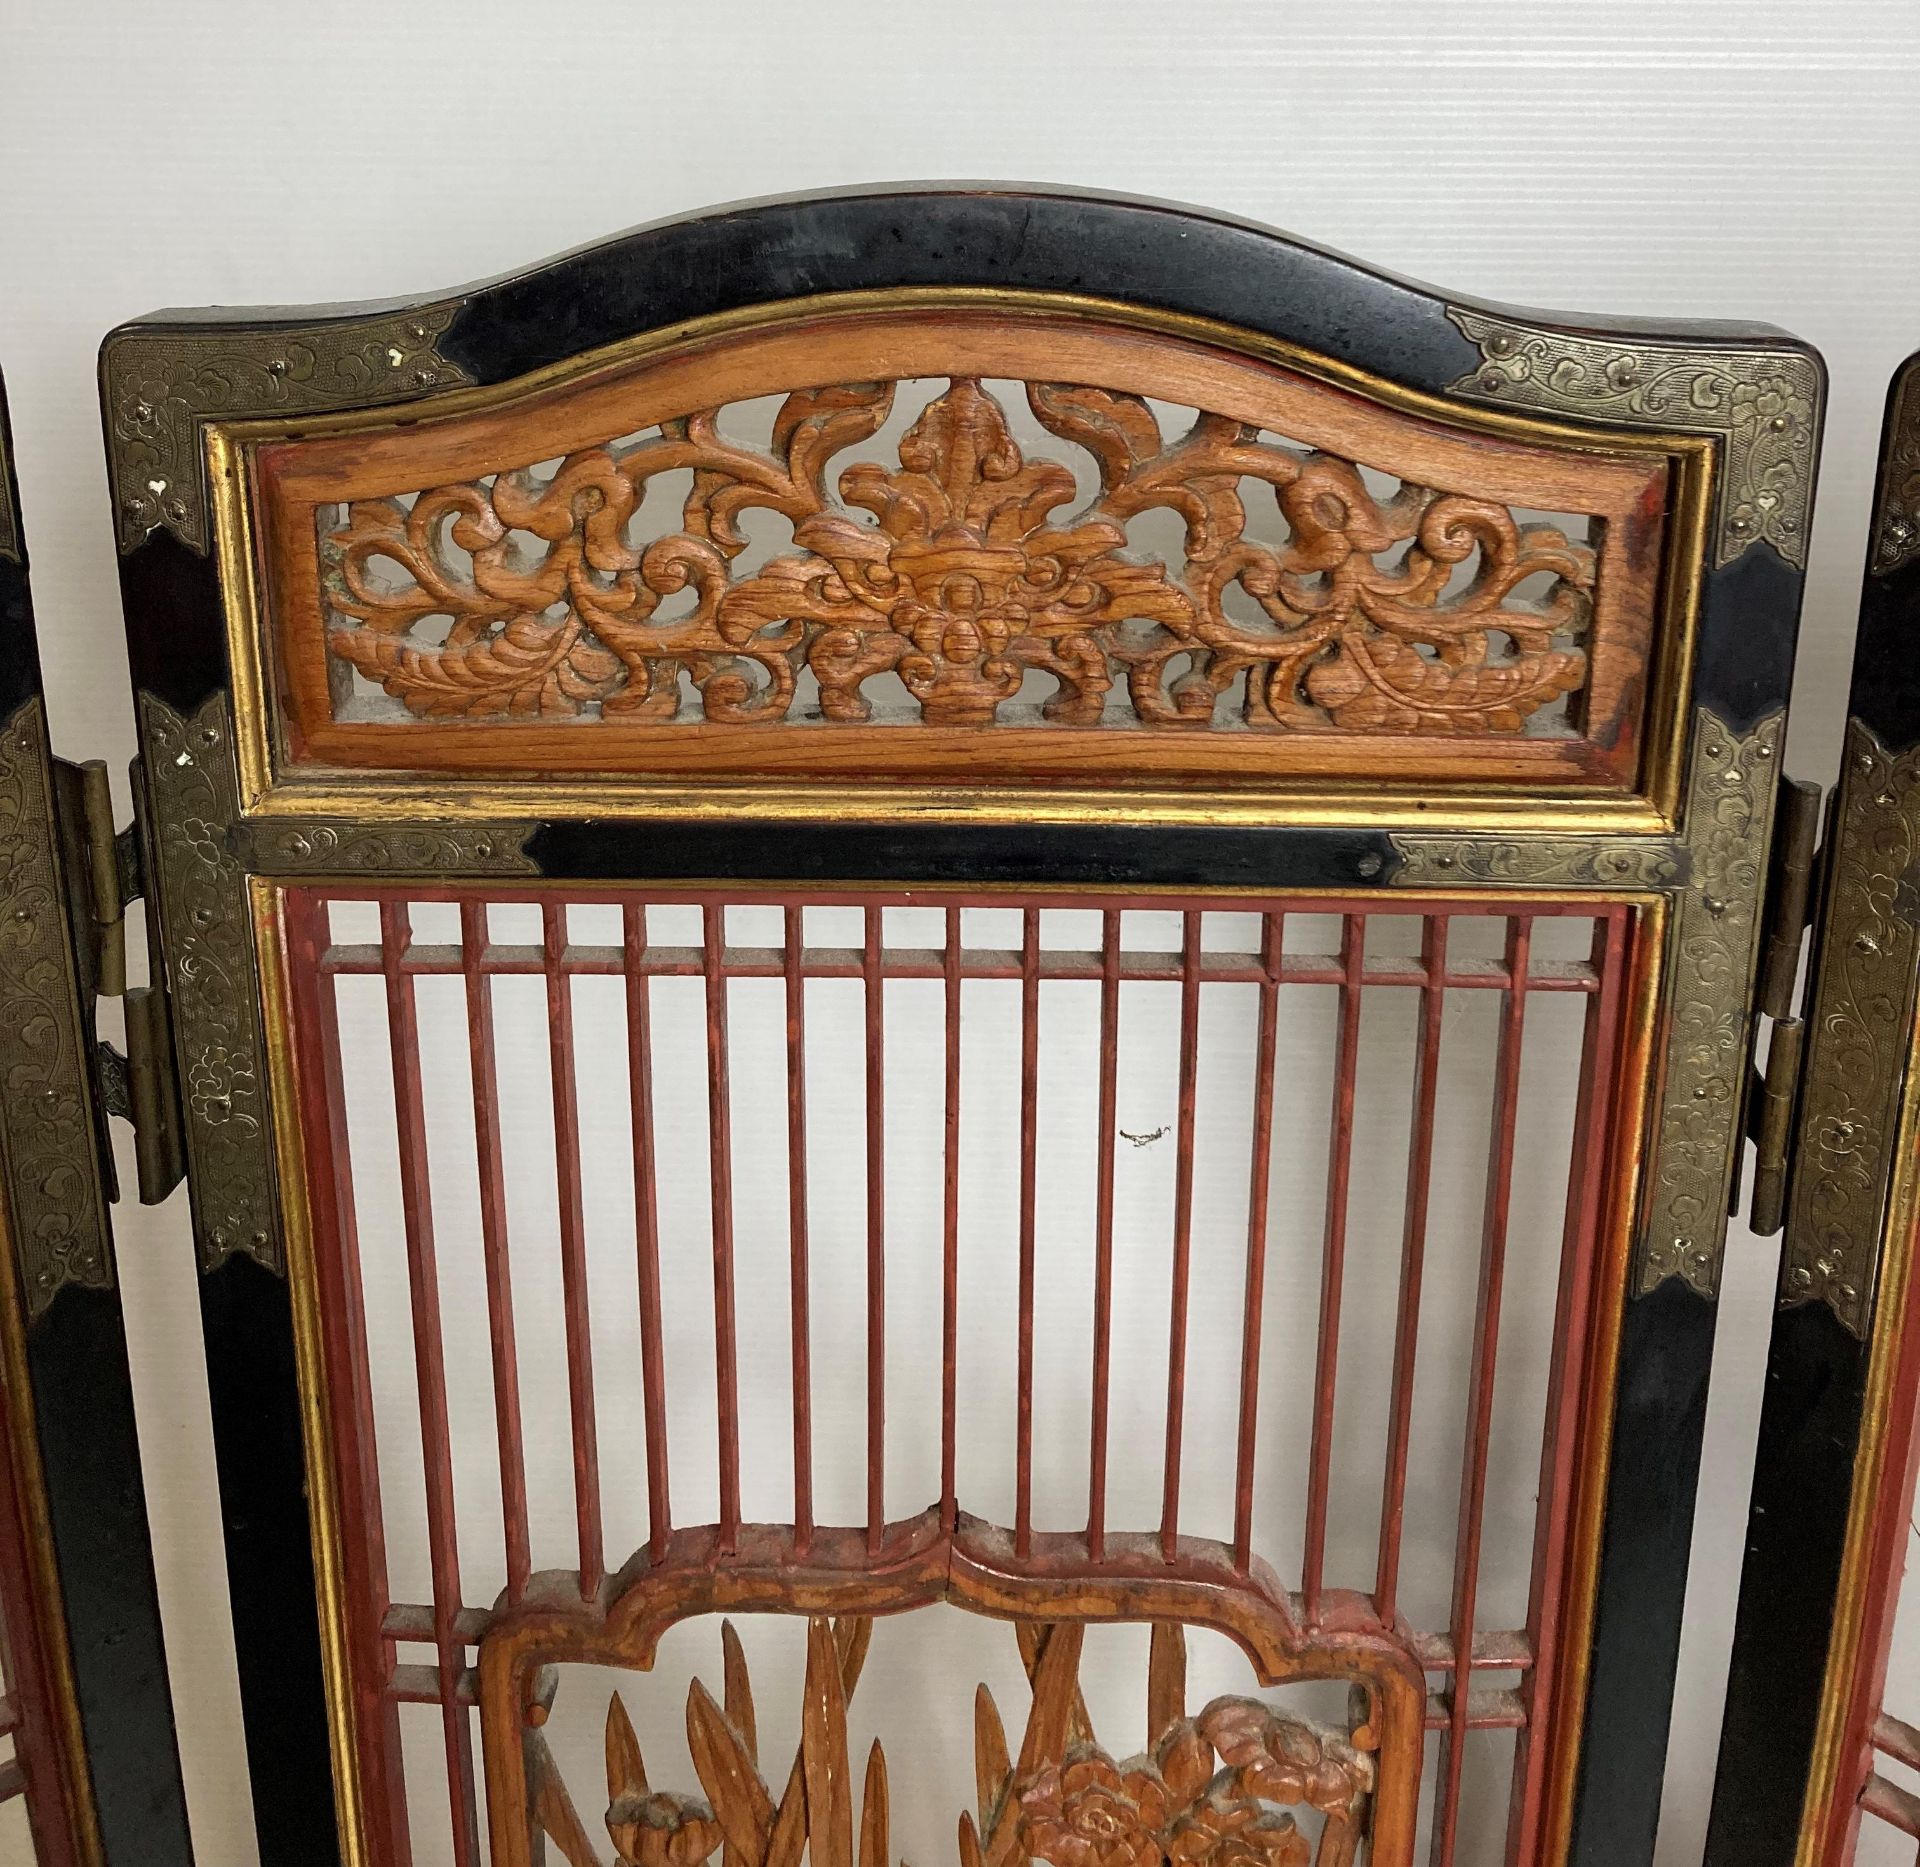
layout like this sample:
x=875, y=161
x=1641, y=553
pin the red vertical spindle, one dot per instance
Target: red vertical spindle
x=1413, y=1252
x=1103, y=1232
x=873, y=979
x=950, y=1239
x=430, y=1371
x=795, y=953
x=484, y=1064
x=646, y=1219
x=1029, y=1193
x=720, y=1165
x=1486, y=1345
x=1182, y=1231
x=1353, y=950
x=1272, y=948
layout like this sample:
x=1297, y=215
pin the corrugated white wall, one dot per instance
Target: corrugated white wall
x=1719, y=160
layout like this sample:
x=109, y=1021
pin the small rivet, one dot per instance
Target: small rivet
x=1367, y=865
x=1865, y=943
x=143, y=412
x=1492, y=382
x=1763, y=752
x=276, y=366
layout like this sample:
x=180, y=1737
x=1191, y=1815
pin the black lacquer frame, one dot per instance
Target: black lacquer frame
x=1140, y=254
x=126, y=1783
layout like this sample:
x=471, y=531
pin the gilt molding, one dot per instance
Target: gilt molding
x=1859, y=1037
x=1731, y=787
x=212, y=979
x=1763, y=406
x=162, y=387
x=57, y=1207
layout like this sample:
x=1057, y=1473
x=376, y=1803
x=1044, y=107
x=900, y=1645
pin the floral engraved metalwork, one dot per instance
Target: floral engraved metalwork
x=315, y=847
x=57, y=1210
x=1858, y=1035
x=1542, y=861
x=1763, y=405
x=962, y=571
x=1225, y=1787
x=216, y=1011
x=1896, y=527
x=1732, y=784
x=162, y=386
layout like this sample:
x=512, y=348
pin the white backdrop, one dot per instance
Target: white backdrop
x=1715, y=160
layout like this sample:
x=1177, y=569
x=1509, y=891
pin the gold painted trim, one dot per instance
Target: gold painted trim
x=54, y=1172
x=1566, y=1732
x=162, y=388
x=1731, y=792
x=316, y=1417
x=264, y=788
x=1860, y=1035
x=1896, y=519
x=1763, y=405
x=211, y=979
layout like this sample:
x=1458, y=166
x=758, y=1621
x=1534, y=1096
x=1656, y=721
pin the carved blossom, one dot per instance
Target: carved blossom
x=971, y=574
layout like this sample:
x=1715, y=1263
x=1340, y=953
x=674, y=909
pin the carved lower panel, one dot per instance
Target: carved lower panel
x=1732, y=783
x=1859, y=1038
x=1229, y=1786
x=1896, y=523
x=1541, y=861
x=1764, y=405
x=59, y=1217
x=212, y=979
x=162, y=387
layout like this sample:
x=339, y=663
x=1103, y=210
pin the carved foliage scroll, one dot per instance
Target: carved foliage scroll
x=962, y=571
x=1239, y=1784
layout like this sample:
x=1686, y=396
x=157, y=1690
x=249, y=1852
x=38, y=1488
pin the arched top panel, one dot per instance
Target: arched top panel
x=958, y=488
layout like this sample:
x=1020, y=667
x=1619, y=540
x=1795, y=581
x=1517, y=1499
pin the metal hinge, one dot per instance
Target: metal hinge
x=105, y=872
x=1773, y=1091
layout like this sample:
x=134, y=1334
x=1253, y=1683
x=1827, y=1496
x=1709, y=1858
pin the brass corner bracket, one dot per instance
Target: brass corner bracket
x=161, y=387
x=1763, y=406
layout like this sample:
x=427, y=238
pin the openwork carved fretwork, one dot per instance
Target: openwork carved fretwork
x=1858, y=1040
x=1764, y=404
x=1226, y=1787
x=962, y=571
x=1729, y=816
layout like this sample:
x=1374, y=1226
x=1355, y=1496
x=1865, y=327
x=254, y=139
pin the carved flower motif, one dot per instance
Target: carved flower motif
x=210, y=1084
x=1237, y=1834
x=1088, y=1812
x=662, y=1831
x=964, y=586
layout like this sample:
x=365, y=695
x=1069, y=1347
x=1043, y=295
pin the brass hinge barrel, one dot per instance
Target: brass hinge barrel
x=1776, y=1091
x=1796, y=836
x=159, y=1149
x=96, y=872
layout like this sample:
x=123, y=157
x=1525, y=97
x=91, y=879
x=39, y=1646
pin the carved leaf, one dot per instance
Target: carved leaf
x=874, y=1811
x=992, y=1768
x=626, y=1768
x=1384, y=685
x=741, y=1804
x=823, y=1748
x=1166, y=1679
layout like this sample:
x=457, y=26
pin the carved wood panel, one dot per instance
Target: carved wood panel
x=1108, y=548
